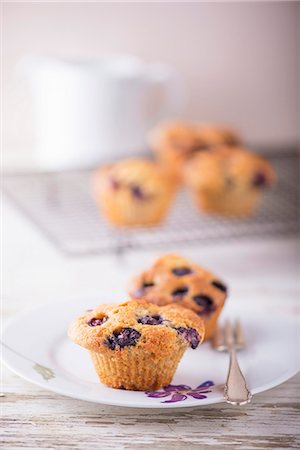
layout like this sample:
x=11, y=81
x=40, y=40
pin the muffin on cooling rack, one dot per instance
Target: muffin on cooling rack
x=228, y=181
x=133, y=192
x=210, y=135
x=136, y=345
x=175, y=143
x=173, y=279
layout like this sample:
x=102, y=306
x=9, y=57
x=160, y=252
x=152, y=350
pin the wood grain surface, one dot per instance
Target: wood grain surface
x=34, y=418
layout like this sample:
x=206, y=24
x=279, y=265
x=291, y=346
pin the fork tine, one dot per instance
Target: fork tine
x=218, y=339
x=228, y=334
x=240, y=340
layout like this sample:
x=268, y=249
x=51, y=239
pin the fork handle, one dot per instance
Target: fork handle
x=236, y=391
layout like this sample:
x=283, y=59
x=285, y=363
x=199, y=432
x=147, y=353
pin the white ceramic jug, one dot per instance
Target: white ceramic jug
x=92, y=111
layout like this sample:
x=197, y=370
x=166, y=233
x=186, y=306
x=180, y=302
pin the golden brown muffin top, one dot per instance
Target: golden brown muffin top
x=173, y=279
x=212, y=135
x=226, y=168
x=179, y=136
x=189, y=138
x=139, y=325
x=141, y=178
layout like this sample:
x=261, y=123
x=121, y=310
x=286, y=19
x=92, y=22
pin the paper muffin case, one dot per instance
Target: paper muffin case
x=135, y=370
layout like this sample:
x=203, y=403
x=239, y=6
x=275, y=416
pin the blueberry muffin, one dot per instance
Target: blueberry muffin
x=174, y=280
x=175, y=143
x=172, y=144
x=210, y=136
x=133, y=192
x=136, y=345
x=229, y=181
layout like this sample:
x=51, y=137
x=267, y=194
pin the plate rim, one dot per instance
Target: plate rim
x=44, y=385
x=276, y=382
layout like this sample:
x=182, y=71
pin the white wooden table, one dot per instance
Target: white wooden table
x=32, y=418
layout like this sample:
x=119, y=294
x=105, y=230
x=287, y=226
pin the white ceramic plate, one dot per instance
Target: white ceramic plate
x=36, y=347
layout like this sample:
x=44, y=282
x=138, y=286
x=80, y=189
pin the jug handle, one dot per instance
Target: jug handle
x=167, y=96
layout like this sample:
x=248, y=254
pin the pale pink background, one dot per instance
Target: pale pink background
x=239, y=59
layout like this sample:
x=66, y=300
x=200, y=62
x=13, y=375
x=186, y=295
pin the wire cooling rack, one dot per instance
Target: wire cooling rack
x=60, y=204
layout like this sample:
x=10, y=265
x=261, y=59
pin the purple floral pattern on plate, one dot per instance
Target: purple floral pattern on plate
x=181, y=392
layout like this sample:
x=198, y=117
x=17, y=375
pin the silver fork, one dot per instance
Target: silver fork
x=231, y=338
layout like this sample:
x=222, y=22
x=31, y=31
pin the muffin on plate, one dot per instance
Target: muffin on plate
x=174, y=280
x=136, y=345
x=133, y=192
x=176, y=142
x=229, y=181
